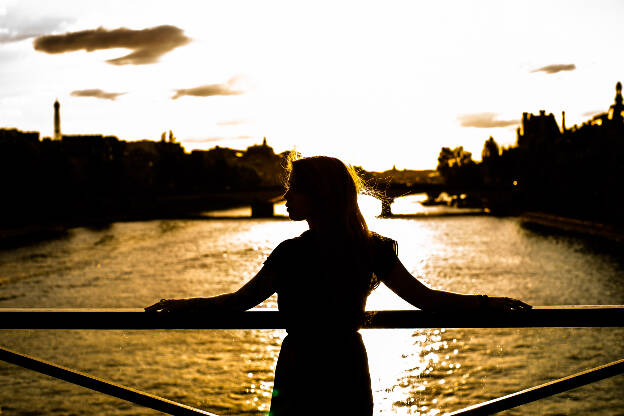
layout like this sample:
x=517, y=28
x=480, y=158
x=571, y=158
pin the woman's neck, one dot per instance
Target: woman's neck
x=314, y=226
x=325, y=229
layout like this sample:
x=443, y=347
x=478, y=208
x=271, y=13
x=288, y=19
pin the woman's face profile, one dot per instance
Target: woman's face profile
x=297, y=205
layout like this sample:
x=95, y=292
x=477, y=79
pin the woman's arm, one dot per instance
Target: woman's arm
x=401, y=282
x=254, y=292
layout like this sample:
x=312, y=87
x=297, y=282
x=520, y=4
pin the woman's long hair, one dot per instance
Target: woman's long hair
x=333, y=188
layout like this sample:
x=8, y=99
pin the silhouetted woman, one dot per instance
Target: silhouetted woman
x=322, y=279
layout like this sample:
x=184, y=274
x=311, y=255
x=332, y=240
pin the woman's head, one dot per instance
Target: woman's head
x=324, y=191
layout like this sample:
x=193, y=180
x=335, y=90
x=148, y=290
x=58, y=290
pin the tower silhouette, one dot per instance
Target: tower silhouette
x=57, y=120
x=615, y=111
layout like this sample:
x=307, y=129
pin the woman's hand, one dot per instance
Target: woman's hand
x=503, y=304
x=169, y=305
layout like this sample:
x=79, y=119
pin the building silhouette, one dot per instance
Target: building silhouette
x=572, y=171
x=616, y=110
x=57, y=120
x=537, y=130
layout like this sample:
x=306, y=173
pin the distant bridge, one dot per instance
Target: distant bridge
x=262, y=200
x=388, y=192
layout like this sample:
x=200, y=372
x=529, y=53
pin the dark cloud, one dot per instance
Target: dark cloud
x=208, y=90
x=97, y=93
x=147, y=44
x=16, y=25
x=553, y=69
x=484, y=121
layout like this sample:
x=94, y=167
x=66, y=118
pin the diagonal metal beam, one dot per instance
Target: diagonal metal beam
x=100, y=385
x=544, y=390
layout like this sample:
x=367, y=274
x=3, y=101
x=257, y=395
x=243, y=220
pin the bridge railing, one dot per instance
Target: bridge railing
x=115, y=319
x=135, y=318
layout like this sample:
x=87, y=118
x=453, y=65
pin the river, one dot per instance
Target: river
x=414, y=372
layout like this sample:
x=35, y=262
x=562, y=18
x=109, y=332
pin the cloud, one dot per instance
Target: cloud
x=592, y=113
x=147, y=45
x=209, y=90
x=232, y=123
x=216, y=139
x=15, y=27
x=19, y=22
x=97, y=93
x=484, y=121
x=553, y=69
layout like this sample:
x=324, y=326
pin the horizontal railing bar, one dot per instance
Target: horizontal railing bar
x=542, y=391
x=99, y=385
x=550, y=316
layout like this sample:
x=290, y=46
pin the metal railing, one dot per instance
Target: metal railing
x=100, y=385
x=109, y=319
x=542, y=391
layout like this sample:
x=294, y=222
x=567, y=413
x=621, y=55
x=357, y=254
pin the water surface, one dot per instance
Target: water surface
x=416, y=371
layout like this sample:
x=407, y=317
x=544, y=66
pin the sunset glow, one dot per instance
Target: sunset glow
x=376, y=84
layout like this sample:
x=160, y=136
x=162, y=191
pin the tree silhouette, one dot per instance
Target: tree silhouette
x=457, y=167
x=490, y=150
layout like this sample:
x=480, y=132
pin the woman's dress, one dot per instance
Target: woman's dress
x=322, y=368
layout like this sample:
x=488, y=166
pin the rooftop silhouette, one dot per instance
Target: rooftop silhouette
x=572, y=172
x=569, y=171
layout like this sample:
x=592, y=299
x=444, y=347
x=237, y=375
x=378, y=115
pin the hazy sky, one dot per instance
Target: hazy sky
x=374, y=83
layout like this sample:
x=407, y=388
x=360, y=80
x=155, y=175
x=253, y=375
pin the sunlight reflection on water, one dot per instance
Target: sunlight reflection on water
x=416, y=372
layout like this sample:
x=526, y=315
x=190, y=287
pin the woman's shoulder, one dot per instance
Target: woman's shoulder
x=384, y=253
x=303, y=239
x=375, y=236
x=378, y=240
x=288, y=251
x=288, y=247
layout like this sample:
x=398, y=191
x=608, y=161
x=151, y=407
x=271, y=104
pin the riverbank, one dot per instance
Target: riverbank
x=18, y=230
x=573, y=226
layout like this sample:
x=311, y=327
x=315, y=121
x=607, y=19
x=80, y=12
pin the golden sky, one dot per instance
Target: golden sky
x=375, y=83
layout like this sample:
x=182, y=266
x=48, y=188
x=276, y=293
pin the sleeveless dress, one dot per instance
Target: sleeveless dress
x=322, y=367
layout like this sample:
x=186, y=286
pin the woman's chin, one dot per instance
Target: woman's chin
x=294, y=217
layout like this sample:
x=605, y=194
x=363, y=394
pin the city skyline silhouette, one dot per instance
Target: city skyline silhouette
x=400, y=74
x=184, y=161
x=102, y=177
